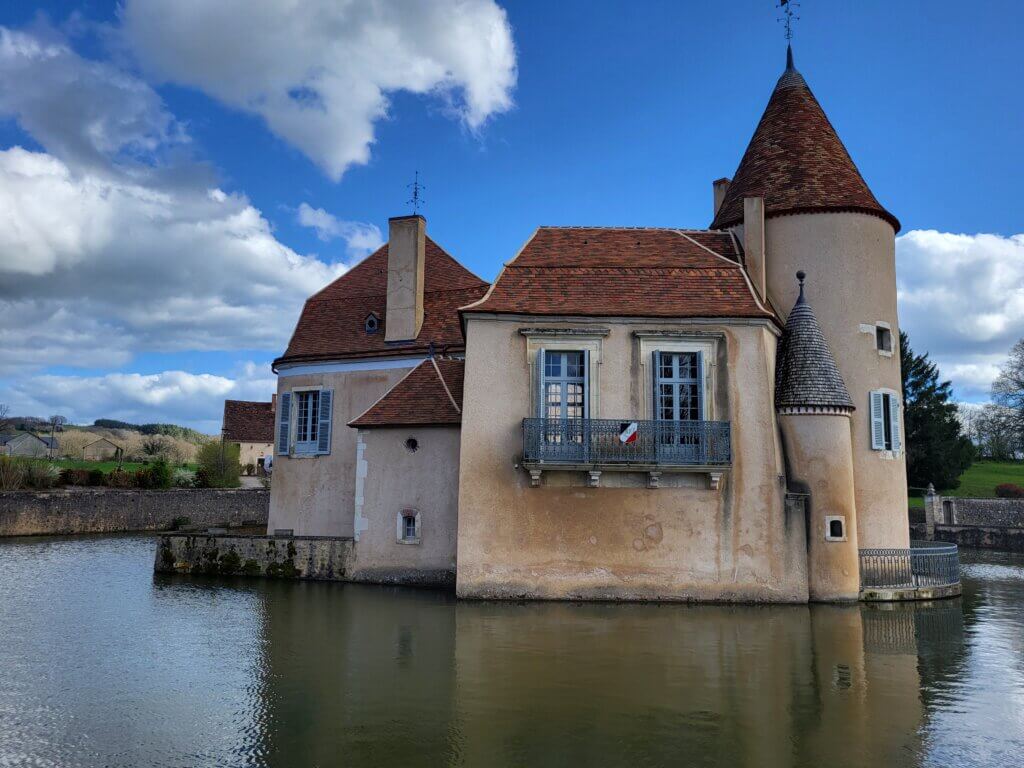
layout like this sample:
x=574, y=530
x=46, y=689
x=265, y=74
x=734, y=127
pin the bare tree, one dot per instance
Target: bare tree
x=1008, y=388
x=57, y=423
x=5, y=409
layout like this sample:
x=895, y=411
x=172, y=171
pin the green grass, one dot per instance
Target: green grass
x=980, y=481
x=106, y=466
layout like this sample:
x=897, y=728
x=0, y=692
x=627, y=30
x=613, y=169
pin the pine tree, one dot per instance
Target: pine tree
x=937, y=450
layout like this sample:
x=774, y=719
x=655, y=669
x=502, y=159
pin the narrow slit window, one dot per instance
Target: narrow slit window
x=883, y=339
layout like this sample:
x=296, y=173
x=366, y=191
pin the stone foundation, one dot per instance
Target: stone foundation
x=111, y=510
x=301, y=557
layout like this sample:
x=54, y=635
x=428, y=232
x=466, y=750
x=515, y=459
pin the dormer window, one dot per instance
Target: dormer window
x=372, y=323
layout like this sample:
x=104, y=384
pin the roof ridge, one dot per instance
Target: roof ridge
x=445, y=385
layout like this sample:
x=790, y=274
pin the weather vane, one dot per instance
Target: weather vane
x=787, y=17
x=416, y=201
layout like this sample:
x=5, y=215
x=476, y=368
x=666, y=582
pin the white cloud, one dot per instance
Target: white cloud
x=93, y=268
x=961, y=299
x=360, y=239
x=177, y=397
x=320, y=73
x=86, y=112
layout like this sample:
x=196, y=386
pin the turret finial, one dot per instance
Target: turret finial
x=800, y=276
x=789, y=58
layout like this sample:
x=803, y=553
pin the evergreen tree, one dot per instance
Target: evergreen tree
x=937, y=450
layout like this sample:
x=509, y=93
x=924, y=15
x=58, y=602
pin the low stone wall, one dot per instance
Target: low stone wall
x=1002, y=538
x=111, y=510
x=298, y=557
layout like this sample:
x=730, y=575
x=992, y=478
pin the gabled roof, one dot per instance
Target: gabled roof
x=806, y=374
x=248, y=421
x=103, y=440
x=619, y=271
x=12, y=436
x=332, y=323
x=797, y=162
x=430, y=395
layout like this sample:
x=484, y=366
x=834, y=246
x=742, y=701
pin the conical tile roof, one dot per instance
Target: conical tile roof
x=806, y=375
x=797, y=162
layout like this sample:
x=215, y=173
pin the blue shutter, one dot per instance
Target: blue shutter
x=877, y=413
x=700, y=387
x=538, y=384
x=894, y=418
x=655, y=376
x=284, y=407
x=586, y=385
x=324, y=417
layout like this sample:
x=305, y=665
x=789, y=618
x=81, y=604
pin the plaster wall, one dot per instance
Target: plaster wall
x=315, y=495
x=851, y=280
x=566, y=540
x=820, y=464
x=395, y=479
x=251, y=453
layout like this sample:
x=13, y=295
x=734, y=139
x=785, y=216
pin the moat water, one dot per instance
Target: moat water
x=104, y=664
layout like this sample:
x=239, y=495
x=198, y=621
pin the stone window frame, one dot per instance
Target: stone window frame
x=649, y=342
x=829, y=519
x=567, y=340
x=871, y=329
x=400, y=536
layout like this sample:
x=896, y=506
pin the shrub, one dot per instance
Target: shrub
x=183, y=478
x=1009, y=491
x=160, y=474
x=218, y=465
x=250, y=469
x=96, y=477
x=12, y=474
x=75, y=477
x=41, y=475
x=120, y=479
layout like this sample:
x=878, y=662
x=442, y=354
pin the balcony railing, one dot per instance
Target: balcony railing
x=615, y=441
x=925, y=564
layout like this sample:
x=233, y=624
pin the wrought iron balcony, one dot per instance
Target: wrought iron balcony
x=926, y=565
x=611, y=442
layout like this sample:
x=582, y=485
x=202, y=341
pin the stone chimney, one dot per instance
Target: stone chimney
x=721, y=186
x=406, y=256
x=753, y=242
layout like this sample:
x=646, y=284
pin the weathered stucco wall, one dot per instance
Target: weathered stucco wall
x=820, y=464
x=108, y=510
x=851, y=280
x=289, y=558
x=251, y=453
x=393, y=479
x=566, y=540
x=315, y=495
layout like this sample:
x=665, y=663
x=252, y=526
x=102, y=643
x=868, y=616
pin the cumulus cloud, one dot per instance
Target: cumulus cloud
x=319, y=73
x=92, y=265
x=177, y=397
x=360, y=239
x=961, y=298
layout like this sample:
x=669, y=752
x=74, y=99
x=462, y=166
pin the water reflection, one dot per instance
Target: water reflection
x=106, y=665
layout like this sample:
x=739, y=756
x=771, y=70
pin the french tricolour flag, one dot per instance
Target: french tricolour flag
x=628, y=432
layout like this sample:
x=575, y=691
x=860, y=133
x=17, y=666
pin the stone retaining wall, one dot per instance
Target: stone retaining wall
x=1002, y=538
x=111, y=510
x=298, y=557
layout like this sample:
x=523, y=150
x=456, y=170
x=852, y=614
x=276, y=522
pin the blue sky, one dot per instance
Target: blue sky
x=580, y=113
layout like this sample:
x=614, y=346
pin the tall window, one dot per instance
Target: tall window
x=678, y=386
x=564, y=385
x=307, y=409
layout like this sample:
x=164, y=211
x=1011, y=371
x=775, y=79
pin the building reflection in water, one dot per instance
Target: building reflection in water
x=356, y=675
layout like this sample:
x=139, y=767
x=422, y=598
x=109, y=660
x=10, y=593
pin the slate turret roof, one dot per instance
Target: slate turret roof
x=797, y=162
x=806, y=375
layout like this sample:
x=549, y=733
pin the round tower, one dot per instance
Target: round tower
x=820, y=215
x=814, y=409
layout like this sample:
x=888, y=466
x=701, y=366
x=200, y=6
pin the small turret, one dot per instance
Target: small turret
x=814, y=410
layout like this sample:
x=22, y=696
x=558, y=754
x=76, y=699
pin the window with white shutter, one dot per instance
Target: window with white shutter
x=885, y=421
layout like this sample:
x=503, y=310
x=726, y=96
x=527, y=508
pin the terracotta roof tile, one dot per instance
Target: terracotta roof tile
x=331, y=325
x=248, y=422
x=797, y=162
x=637, y=272
x=430, y=395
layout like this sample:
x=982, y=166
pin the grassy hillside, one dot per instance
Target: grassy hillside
x=980, y=481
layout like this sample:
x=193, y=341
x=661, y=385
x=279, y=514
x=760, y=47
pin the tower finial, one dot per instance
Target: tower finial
x=416, y=201
x=787, y=17
x=800, y=276
x=789, y=58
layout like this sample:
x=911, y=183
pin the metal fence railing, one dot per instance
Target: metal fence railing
x=615, y=441
x=925, y=564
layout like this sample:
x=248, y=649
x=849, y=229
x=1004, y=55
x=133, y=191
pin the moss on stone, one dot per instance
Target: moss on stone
x=229, y=563
x=251, y=568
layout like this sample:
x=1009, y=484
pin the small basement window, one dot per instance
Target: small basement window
x=835, y=528
x=372, y=323
x=408, y=527
x=883, y=339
